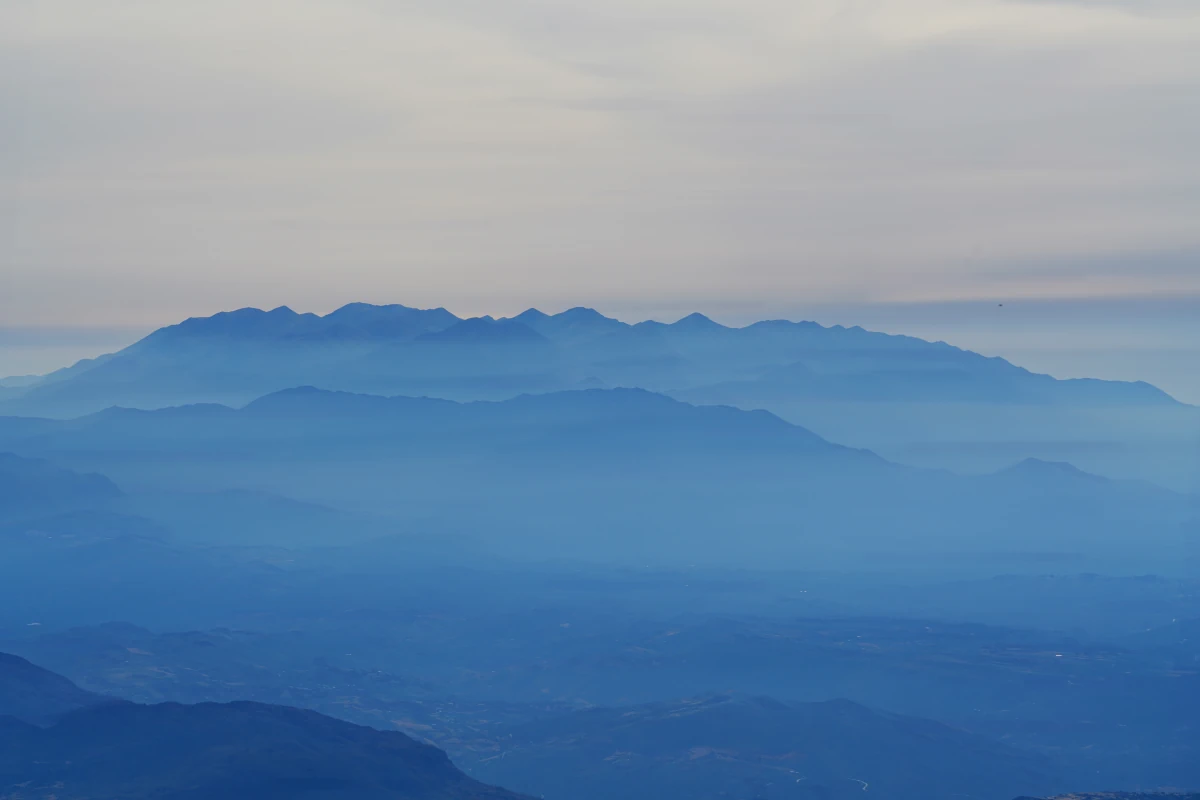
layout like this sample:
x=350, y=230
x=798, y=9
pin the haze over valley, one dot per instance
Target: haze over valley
x=637, y=400
x=587, y=558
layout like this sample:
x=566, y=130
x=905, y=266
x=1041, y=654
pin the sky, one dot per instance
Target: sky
x=861, y=158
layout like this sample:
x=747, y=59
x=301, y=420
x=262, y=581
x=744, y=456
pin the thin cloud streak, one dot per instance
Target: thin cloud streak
x=169, y=162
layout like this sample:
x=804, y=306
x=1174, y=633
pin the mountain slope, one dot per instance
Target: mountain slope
x=36, y=696
x=235, y=750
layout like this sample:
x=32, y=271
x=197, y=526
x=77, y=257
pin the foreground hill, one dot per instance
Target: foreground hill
x=726, y=746
x=241, y=751
x=626, y=475
x=36, y=696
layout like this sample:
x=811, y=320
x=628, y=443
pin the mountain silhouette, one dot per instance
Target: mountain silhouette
x=36, y=696
x=573, y=325
x=353, y=321
x=235, y=356
x=30, y=485
x=625, y=474
x=392, y=321
x=697, y=323
x=102, y=748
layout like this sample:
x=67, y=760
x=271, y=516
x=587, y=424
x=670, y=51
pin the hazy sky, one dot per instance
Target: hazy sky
x=162, y=159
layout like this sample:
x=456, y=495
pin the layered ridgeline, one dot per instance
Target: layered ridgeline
x=916, y=401
x=236, y=356
x=57, y=740
x=622, y=476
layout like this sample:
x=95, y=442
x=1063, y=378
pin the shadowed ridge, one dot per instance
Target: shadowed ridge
x=634, y=399
x=612, y=424
x=36, y=696
x=593, y=403
x=239, y=751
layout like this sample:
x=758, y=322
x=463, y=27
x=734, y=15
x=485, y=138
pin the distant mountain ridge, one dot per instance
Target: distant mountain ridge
x=349, y=419
x=234, y=356
x=353, y=321
x=618, y=473
x=913, y=401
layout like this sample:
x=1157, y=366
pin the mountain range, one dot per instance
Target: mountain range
x=612, y=474
x=920, y=402
x=359, y=347
x=522, y=540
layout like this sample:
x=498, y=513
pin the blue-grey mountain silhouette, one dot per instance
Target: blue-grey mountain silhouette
x=624, y=475
x=911, y=400
x=98, y=748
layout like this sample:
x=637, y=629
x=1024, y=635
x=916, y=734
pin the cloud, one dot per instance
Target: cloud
x=172, y=159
